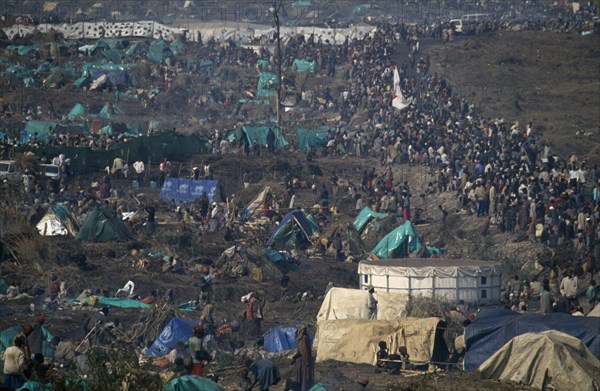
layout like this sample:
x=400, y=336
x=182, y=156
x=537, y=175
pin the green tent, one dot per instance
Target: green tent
x=7, y=336
x=305, y=66
x=259, y=132
x=267, y=85
x=192, y=383
x=399, y=243
x=103, y=226
x=77, y=111
x=158, y=51
x=365, y=216
x=312, y=138
x=113, y=302
x=42, y=128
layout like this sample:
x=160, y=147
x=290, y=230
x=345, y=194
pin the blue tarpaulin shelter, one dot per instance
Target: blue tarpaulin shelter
x=305, y=66
x=282, y=338
x=293, y=231
x=495, y=327
x=177, y=330
x=184, y=190
x=399, y=243
x=267, y=84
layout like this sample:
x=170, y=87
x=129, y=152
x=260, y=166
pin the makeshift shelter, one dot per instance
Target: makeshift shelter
x=446, y=279
x=177, y=330
x=239, y=261
x=184, y=190
x=103, y=226
x=259, y=133
x=356, y=340
x=344, y=303
x=293, y=231
x=192, y=383
x=494, y=328
x=305, y=66
x=400, y=243
x=77, y=111
x=549, y=360
x=58, y=221
x=267, y=85
x=7, y=336
x=366, y=215
x=255, y=207
x=351, y=240
x=40, y=128
x=281, y=338
x=312, y=138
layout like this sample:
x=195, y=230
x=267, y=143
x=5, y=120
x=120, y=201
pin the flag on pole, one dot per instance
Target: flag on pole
x=398, y=100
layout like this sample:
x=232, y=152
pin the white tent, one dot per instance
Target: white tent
x=52, y=224
x=256, y=206
x=595, y=312
x=549, y=360
x=343, y=303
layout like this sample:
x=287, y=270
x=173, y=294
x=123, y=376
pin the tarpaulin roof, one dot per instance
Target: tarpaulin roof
x=365, y=215
x=346, y=303
x=158, y=51
x=312, y=138
x=398, y=243
x=493, y=328
x=549, y=360
x=281, y=338
x=184, y=190
x=102, y=226
x=267, y=84
x=192, y=383
x=305, y=66
x=177, y=330
x=77, y=111
x=114, y=302
x=259, y=133
x=42, y=128
x=7, y=336
x=285, y=234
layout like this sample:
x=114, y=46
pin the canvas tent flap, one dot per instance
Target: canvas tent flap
x=356, y=340
x=184, y=190
x=549, y=360
x=256, y=206
x=493, y=328
x=177, y=330
x=399, y=243
x=595, y=312
x=259, y=133
x=344, y=303
x=365, y=215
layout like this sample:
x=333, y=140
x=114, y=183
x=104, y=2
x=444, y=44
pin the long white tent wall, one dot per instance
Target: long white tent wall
x=446, y=279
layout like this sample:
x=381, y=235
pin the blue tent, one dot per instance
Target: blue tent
x=282, y=338
x=184, y=190
x=494, y=328
x=175, y=331
x=293, y=230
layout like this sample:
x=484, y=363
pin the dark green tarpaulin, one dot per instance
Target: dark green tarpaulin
x=267, y=84
x=177, y=46
x=313, y=138
x=24, y=49
x=399, y=243
x=42, y=128
x=259, y=133
x=7, y=336
x=365, y=216
x=103, y=226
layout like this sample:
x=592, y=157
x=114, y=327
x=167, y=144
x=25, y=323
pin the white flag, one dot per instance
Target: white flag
x=398, y=100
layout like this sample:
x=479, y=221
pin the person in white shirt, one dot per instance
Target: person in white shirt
x=139, y=169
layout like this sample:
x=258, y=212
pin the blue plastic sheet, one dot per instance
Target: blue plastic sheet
x=282, y=338
x=177, y=330
x=184, y=190
x=494, y=328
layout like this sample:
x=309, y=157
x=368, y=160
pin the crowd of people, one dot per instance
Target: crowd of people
x=498, y=169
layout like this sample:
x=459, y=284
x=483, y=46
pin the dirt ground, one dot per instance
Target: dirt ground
x=505, y=77
x=558, y=92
